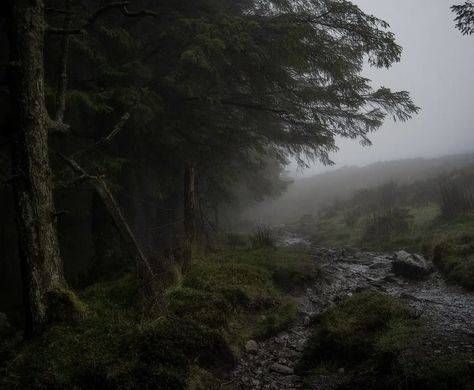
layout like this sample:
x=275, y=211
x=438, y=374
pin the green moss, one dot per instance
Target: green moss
x=446, y=373
x=225, y=299
x=65, y=305
x=240, y=284
x=350, y=331
x=210, y=309
x=376, y=337
x=276, y=320
x=200, y=379
x=455, y=259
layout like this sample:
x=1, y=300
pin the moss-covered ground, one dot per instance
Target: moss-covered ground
x=377, y=339
x=192, y=338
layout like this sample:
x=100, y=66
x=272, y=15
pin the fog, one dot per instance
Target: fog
x=436, y=68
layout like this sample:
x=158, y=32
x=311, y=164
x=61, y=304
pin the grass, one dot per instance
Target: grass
x=378, y=340
x=449, y=243
x=358, y=328
x=455, y=258
x=224, y=300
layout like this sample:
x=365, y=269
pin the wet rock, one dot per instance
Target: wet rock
x=282, y=338
x=379, y=264
x=251, y=347
x=281, y=369
x=410, y=266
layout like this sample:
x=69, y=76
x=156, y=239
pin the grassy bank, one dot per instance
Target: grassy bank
x=199, y=327
x=377, y=341
x=448, y=242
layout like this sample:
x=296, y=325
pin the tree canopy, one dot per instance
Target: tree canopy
x=464, y=17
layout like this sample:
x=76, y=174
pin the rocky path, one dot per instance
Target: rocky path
x=448, y=313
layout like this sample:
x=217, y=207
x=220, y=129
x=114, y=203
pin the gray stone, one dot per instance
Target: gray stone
x=251, y=347
x=281, y=369
x=410, y=266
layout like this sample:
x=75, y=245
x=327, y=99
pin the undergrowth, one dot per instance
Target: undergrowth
x=378, y=339
x=188, y=343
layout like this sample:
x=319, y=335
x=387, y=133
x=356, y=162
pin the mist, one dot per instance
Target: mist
x=436, y=67
x=166, y=220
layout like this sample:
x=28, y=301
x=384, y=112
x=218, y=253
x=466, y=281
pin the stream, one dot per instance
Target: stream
x=447, y=311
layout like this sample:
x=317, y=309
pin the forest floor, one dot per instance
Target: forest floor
x=447, y=314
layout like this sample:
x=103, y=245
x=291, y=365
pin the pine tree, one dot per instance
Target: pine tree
x=464, y=17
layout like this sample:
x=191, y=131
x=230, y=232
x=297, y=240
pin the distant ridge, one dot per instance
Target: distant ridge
x=308, y=195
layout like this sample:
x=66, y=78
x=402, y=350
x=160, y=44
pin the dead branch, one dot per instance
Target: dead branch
x=120, y=5
x=61, y=87
x=115, y=212
x=103, y=141
x=56, y=126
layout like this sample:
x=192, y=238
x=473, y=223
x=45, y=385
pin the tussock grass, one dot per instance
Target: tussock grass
x=378, y=338
x=224, y=300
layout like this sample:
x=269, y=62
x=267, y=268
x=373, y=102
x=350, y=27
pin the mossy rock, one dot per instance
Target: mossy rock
x=65, y=305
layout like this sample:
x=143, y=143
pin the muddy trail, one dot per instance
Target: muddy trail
x=447, y=311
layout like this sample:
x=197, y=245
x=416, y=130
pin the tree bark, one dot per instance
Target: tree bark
x=61, y=87
x=190, y=202
x=41, y=264
x=189, y=217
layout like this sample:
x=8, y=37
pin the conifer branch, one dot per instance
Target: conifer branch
x=255, y=106
x=120, y=5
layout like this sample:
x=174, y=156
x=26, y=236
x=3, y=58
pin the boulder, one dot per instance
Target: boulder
x=410, y=266
x=281, y=369
x=251, y=347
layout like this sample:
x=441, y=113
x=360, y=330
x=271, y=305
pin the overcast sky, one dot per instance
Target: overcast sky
x=437, y=68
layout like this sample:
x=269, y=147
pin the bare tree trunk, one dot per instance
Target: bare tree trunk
x=190, y=202
x=61, y=87
x=41, y=264
x=189, y=211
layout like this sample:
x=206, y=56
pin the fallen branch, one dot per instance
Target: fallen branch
x=116, y=214
x=103, y=141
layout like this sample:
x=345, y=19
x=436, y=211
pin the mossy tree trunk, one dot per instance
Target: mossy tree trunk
x=41, y=264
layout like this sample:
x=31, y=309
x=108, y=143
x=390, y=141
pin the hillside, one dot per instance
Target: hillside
x=310, y=195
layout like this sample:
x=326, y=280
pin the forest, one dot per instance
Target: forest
x=138, y=142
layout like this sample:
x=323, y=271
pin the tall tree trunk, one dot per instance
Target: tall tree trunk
x=189, y=210
x=41, y=264
x=190, y=201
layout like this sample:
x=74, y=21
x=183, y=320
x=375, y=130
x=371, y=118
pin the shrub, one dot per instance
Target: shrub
x=383, y=225
x=263, y=237
x=454, y=201
x=235, y=240
x=455, y=260
x=226, y=299
x=377, y=336
x=350, y=331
